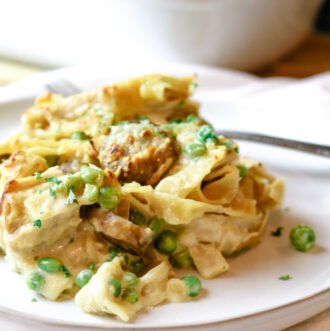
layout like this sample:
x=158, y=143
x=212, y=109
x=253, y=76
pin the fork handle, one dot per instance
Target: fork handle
x=322, y=150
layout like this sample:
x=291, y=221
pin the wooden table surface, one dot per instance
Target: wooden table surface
x=312, y=57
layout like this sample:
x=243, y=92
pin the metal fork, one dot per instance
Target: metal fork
x=322, y=150
x=63, y=87
x=66, y=88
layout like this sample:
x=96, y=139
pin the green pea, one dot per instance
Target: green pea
x=206, y=133
x=136, y=217
x=130, y=295
x=130, y=279
x=113, y=252
x=109, y=197
x=73, y=182
x=155, y=225
x=193, y=285
x=84, y=277
x=303, y=238
x=136, y=266
x=80, y=135
x=92, y=175
x=243, y=171
x=52, y=160
x=91, y=193
x=50, y=264
x=34, y=280
x=115, y=285
x=182, y=259
x=195, y=149
x=166, y=242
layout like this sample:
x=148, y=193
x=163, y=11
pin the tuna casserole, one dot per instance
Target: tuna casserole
x=106, y=193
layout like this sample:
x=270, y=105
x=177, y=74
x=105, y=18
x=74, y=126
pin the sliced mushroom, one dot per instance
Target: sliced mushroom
x=120, y=231
x=140, y=152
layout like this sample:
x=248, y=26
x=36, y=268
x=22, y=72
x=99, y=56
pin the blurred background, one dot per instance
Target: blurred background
x=266, y=37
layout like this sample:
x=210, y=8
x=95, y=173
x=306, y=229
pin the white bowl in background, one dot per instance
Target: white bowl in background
x=239, y=34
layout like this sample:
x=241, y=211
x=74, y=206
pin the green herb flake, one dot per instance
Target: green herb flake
x=277, y=232
x=71, y=198
x=236, y=149
x=42, y=212
x=36, y=258
x=40, y=191
x=52, y=160
x=71, y=240
x=37, y=223
x=286, y=277
x=180, y=104
x=66, y=271
x=194, y=84
x=260, y=164
x=228, y=144
x=34, y=300
x=38, y=175
x=4, y=160
x=91, y=266
x=52, y=193
x=243, y=171
x=53, y=180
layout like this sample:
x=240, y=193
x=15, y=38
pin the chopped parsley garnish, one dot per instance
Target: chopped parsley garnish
x=71, y=240
x=277, y=232
x=53, y=180
x=36, y=258
x=236, y=149
x=42, y=212
x=243, y=171
x=177, y=121
x=52, y=193
x=71, y=198
x=52, y=160
x=286, y=277
x=121, y=183
x=228, y=144
x=142, y=118
x=37, y=223
x=4, y=160
x=193, y=119
x=194, y=84
x=259, y=164
x=180, y=104
x=80, y=135
x=34, y=300
x=38, y=175
x=66, y=271
x=91, y=266
x=40, y=191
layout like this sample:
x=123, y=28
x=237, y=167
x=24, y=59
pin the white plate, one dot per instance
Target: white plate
x=249, y=295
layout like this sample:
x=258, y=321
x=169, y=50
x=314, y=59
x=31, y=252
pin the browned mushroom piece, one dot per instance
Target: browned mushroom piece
x=140, y=152
x=120, y=231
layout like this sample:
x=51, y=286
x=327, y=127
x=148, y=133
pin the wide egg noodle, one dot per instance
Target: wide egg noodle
x=172, y=209
x=213, y=210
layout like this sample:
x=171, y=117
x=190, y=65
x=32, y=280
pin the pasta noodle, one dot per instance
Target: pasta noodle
x=105, y=193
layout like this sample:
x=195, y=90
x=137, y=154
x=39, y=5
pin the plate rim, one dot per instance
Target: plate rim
x=41, y=79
